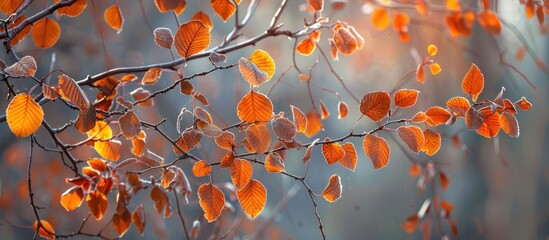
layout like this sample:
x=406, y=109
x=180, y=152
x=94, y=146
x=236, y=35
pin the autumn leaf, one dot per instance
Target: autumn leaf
x=97, y=203
x=412, y=136
x=349, y=161
x=377, y=149
x=251, y=73
x=405, y=97
x=345, y=41
x=375, y=105
x=490, y=124
x=284, y=129
x=138, y=219
x=274, y=163
x=130, y=125
x=343, y=110
x=409, y=225
x=212, y=201
x=255, y=107
x=306, y=47
x=46, y=230
x=9, y=6
x=489, y=21
x=121, y=222
x=523, y=104
x=113, y=17
x=191, y=38
x=300, y=119
x=163, y=37
x=473, y=82
x=264, y=62
x=258, y=137
x=201, y=169
x=224, y=8
x=24, y=115
x=25, y=67
x=241, y=173
x=332, y=192
x=314, y=123
x=225, y=140
x=432, y=142
x=71, y=90
x=437, y=116
x=252, y=198
x=161, y=201
x=380, y=18
x=73, y=10
x=167, y=5
x=332, y=152
x=45, y=32
x=72, y=198
x=458, y=105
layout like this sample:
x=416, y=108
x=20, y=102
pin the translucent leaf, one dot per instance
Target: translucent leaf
x=224, y=8
x=343, y=110
x=45, y=32
x=412, y=136
x=251, y=73
x=72, y=198
x=473, y=82
x=345, y=41
x=24, y=115
x=138, y=219
x=97, y=203
x=300, y=119
x=121, y=222
x=258, y=137
x=332, y=152
x=25, y=67
x=375, y=105
x=306, y=47
x=167, y=5
x=161, y=202
x=73, y=92
x=349, y=161
x=241, y=173
x=274, y=163
x=432, y=142
x=380, y=18
x=73, y=10
x=212, y=201
x=201, y=169
x=225, y=140
x=130, y=125
x=263, y=61
x=284, y=129
x=332, y=192
x=204, y=18
x=314, y=123
x=191, y=38
x=377, y=149
x=255, y=107
x=252, y=198
x=458, y=105
x=437, y=116
x=46, y=231
x=113, y=17
x=406, y=97
x=489, y=21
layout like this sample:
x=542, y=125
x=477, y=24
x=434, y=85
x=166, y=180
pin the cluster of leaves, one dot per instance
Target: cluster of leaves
x=261, y=137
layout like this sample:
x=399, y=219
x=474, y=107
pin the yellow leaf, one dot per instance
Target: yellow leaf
x=24, y=115
x=264, y=62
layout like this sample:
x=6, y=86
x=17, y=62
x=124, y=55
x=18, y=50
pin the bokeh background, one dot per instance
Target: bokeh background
x=499, y=187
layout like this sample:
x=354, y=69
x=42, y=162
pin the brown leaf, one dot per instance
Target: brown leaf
x=25, y=67
x=163, y=37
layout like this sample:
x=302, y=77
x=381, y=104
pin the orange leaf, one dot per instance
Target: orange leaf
x=420, y=117
x=306, y=47
x=380, y=18
x=315, y=35
x=435, y=68
x=458, y=105
x=409, y=225
x=121, y=222
x=72, y=198
x=163, y=37
x=101, y=131
x=358, y=37
x=314, y=123
x=108, y=149
x=420, y=73
x=241, y=173
x=167, y=5
x=460, y=23
x=324, y=111
x=284, y=128
x=274, y=163
x=444, y=181
x=345, y=41
x=530, y=9
x=22, y=34
x=201, y=16
x=432, y=142
x=523, y=104
x=400, y=22
x=130, y=124
x=212, y=201
x=180, y=8
x=405, y=97
x=227, y=159
x=73, y=92
x=189, y=139
x=140, y=94
x=412, y=136
x=73, y=10
x=252, y=198
x=437, y=116
x=472, y=119
x=255, y=107
x=332, y=152
x=316, y=4
x=225, y=140
x=453, y=5
x=264, y=62
x=375, y=105
x=113, y=18
x=489, y=21
x=473, y=82
x=45, y=32
x=186, y=87
x=377, y=149
x=299, y=118
x=24, y=115
x=46, y=230
x=161, y=202
x=343, y=110
x=332, y=192
x=201, y=169
x=490, y=124
x=97, y=203
x=415, y=170
x=98, y=165
x=9, y=6
x=224, y=8
x=432, y=50
x=138, y=219
x=333, y=49
x=191, y=38
x=350, y=158
x=258, y=137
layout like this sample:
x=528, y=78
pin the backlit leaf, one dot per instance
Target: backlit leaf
x=225, y=140
x=343, y=110
x=284, y=128
x=300, y=119
x=524, y=104
x=317, y=5
x=409, y=225
x=324, y=111
x=377, y=149
x=489, y=21
x=380, y=18
x=349, y=161
x=432, y=142
x=345, y=41
x=314, y=123
x=263, y=61
x=113, y=17
x=191, y=38
x=23, y=33
x=167, y=5
x=375, y=105
x=212, y=201
x=241, y=173
x=97, y=203
x=437, y=116
x=306, y=47
x=490, y=125
x=333, y=49
x=473, y=82
x=332, y=152
x=472, y=119
x=251, y=73
x=46, y=231
x=405, y=97
x=255, y=107
x=73, y=10
x=453, y=5
x=420, y=117
x=161, y=202
x=224, y=8
x=130, y=125
x=252, y=198
x=420, y=73
x=509, y=124
x=9, y=7
x=73, y=92
x=72, y=198
x=432, y=50
x=332, y=192
x=138, y=219
x=45, y=32
x=444, y=180
x=258, y=137
x=108, y=149
x=201, y=169
x=274, y=163
x=435, y=68
x=412, y=136
x=204, y=18
x=24, y=115
x=141, y=94
x=121, y=222
x=458, y=105
x=188, y=140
